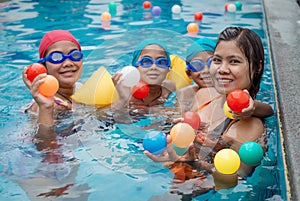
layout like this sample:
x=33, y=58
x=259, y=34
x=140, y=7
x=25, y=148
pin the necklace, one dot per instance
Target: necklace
x=65, y=97
x=157, y=97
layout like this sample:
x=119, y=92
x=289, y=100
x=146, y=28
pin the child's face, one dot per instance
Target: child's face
x=153, y=75
x=202, y=78
x=229, y=68
x=67, y=72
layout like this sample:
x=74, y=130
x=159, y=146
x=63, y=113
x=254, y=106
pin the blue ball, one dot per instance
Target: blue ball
x=155, y=142
x=251, y=153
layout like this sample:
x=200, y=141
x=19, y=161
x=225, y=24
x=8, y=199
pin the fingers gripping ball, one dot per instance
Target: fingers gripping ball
x=251, y=153
x=226, y=111
x=155, y=142
x=141, y=90
x=49, y=87
x=34, y=70
x=192, y=118
x=182, y=135
x=227, y=161
x=130, y=76
x=237, y=100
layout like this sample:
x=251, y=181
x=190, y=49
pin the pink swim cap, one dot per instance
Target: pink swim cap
x=54, y=36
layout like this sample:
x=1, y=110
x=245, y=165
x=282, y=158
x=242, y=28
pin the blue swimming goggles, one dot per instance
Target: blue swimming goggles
x=198, y=65
x=58, y=57
x=147, y=62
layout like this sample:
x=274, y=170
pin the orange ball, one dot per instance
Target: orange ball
x=105, y=16
x=147, y=4
x=49, y=87
x=193, y=28
x=182, y=135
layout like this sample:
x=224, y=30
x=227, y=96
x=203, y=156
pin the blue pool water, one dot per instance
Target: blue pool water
x=110, y=161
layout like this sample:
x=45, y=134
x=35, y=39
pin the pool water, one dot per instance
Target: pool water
x=110, y=162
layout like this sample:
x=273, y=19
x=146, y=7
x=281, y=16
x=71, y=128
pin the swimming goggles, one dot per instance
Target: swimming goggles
x=58, y=57
x=147, y=62
x=198, y=65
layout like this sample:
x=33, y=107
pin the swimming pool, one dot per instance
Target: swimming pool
x=110, y=163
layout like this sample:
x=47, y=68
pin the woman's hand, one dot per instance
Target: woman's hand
x=246, y=112
x=123, y=91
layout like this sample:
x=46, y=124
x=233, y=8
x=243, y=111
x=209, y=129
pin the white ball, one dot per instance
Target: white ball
x=176, y=9
x=130, y=76
x=231, y=8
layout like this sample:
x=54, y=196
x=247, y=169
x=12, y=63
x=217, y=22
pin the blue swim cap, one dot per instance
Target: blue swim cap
x=138, y=50
x=200, y=45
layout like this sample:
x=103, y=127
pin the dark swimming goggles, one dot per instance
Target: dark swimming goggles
x=147, y=62
x=58, y=57
x=198, y=65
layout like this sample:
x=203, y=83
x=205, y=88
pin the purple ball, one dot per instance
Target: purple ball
x=156, y=10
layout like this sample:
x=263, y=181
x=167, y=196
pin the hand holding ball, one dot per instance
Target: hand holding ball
x=49, y=87
x=237, y=100
x=130, y=76
x=34, y=70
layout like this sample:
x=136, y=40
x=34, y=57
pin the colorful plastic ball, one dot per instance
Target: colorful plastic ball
x=192, y=118
x=49, y=87
x=140, y=90
x=237, y=100
x=226, y=111
x=198, y=16
x=105, y=16
x=238, y=5
x=193, y=28
x=227, y=161
x=179, y=151
x=156, y=10
x=155, y=142
x=231, y=8
x=147, y=5
x=182, y=135
x=226, y=6
x=112, y=7
x=130, y=76
x=251, y=153
x=176, y=9
x=34, y=70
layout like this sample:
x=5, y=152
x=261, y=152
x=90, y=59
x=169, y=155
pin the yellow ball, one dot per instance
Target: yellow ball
x=227, y=161
x=182, y=135
x=226, y=111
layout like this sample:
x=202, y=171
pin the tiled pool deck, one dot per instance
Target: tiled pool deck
x=283, y=25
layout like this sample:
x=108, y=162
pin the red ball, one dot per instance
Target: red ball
x=147, y=4
x=226, y=6
x=192, y=118
x=141, y=90
x=237, y=100
x=34, y=70
x=198, y=16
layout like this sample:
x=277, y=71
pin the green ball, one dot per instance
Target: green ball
x=112, y=7
x=251, y=153
x=238, y=5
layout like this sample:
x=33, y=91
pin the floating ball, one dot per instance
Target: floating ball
x=179, y=151
x=176, y=9
x=226, y=6
x=155, y=142
x=49, y=87
x=193, y=28
x=105, y=16
x=237, y=100
x=226, y=111
x=198, y=16
x=112, y=8
x=34, y=70
x=156, y=10
x=192, y=118
x=227, y=161
x=251, y=153
x=147, y=5
x=140, y=90
x=182, y=135
x=238, y=5
x=231, y=8
x=130, y=76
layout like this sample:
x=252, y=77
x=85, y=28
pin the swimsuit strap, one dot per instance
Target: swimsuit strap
x=208, y=102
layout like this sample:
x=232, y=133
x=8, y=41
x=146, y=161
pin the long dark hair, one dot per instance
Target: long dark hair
x=251, y=45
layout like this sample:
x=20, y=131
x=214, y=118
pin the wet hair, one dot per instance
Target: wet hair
x=251, y=45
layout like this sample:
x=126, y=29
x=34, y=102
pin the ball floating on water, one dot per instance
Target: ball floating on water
x=147, y=5
x=251, y=153
x=231, y=8
x=237, y=100
x=182, y=135
x=155, y=142
x=140, y=90
x=238, y=5
x=227, y=161
x=226, y=6
x=49, y=87
x=192, y=118
x=198, y=16
x=226, y=111
x=105, y=16
x=130, y=76
x=156, y=10
x=193, y=28
x=34, y=70
x=112, y=7
x=176, y=9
